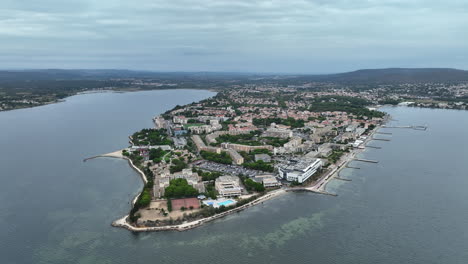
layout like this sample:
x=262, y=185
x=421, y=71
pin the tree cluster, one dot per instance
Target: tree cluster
x=177, y=165
x=179, y=188
x=222, y=158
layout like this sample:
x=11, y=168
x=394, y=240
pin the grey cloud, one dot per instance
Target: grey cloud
x=226, y=35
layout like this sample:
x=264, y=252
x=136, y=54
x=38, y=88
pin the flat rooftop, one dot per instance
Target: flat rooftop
x=299, y=165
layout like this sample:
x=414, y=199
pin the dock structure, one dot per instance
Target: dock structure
x=383, y=133
x=420, y=128
x=385, y=126
x=366, y=160
x=342, y=179
x=374, y=147
x=310, y=189
x=352, y=167
x=411, y=127
x=381, y=139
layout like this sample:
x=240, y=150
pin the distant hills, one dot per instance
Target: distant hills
x=390, y=75
x=106, y=74
x=398, y=75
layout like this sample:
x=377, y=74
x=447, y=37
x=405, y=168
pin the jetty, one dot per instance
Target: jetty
x=383, y=133
x=374, y=147
x=309, y=189
x=342, y=179
x=366, y=160
x=352, y=167
x=416, y=127
x=90, y=158
x=381, y=139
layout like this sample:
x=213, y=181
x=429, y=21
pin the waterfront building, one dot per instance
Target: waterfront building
x=300, y=170
x=228, y=186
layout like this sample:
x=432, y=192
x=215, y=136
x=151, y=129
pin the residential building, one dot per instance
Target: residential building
x=246, y=148
x=180, y=120
x=278, y=131
x=235, y=156
x=201, y=145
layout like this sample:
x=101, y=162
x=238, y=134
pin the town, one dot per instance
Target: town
x=209, y=157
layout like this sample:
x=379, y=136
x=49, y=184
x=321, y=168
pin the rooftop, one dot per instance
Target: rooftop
x=299, y=165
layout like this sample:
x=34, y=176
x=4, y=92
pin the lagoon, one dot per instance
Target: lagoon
x=409, y=208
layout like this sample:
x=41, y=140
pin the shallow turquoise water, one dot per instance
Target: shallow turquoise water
x=226, y=203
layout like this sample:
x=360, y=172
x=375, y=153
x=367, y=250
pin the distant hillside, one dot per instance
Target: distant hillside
x=393, y=75
x=57, y=74
x=90, y=74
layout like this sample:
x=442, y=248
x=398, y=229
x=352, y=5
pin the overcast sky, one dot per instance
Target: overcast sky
x=307, y=36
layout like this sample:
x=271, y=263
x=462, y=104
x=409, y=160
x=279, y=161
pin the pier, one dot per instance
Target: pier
x=381, y=139
x=366, y=160
x=342, y=179
x=352, y=167
x=385, y=126
x=374, y=147
x=310, y=189
x=411, y=127
x=383, y=133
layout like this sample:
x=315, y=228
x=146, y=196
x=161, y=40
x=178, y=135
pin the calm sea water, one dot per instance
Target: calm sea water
x=411, y=207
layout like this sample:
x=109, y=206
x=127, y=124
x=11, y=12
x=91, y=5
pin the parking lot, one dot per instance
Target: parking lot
x=228, y=169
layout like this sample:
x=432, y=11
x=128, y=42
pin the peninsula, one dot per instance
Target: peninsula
x=241, y=147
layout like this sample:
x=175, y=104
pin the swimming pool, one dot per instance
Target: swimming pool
x=220, y=202
x=226, y=203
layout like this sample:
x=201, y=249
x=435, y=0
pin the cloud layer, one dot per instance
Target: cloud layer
x=312, y=36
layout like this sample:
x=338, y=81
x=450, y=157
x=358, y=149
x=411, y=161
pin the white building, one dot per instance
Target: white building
x=228, y=186
x=300, y=170
x=180, y=120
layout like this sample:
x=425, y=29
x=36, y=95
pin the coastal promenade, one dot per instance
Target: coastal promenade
x=320, y=185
